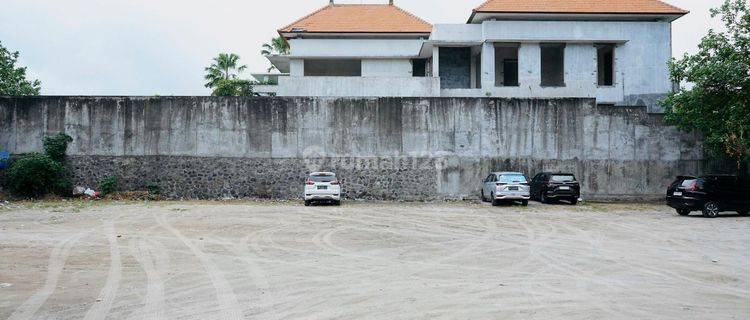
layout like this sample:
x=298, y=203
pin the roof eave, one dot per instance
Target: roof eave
x=674, y=15
x=289, y=35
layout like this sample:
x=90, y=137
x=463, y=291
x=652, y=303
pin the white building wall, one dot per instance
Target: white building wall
x=359, y=86
x=641, y=74
x=456, y=32
x=296, y=68
x=355, y=48
x=386, y=68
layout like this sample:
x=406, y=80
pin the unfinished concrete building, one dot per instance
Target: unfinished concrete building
x=615, y=51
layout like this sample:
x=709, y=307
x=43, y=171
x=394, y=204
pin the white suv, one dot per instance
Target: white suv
x=502, y=186
x=323, y=187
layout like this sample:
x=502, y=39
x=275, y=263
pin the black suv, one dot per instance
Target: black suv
x=547, y=187
x=710, y=194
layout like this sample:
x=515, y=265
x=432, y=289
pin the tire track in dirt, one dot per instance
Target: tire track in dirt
x=228, y=304
x=153, y=258
x=57, y=260
x=109, y=292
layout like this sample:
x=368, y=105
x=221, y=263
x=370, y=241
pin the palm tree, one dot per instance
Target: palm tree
x=225, y=67
x=277, y=45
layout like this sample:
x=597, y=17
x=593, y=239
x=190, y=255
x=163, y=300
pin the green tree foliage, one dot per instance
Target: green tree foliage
x=35, y=175
x=222, y=77
x=278, y=45
x=718, y=103
x=233, y=88
x=13, y=79
x=56, y=146
x=225, y=67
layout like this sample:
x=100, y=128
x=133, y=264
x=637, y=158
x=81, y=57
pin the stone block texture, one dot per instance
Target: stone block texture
x=382, y=148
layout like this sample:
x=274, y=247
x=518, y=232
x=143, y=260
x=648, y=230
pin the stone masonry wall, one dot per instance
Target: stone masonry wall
x=386, y=148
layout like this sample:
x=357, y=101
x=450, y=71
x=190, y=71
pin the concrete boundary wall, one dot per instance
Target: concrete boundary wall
x=383, y=148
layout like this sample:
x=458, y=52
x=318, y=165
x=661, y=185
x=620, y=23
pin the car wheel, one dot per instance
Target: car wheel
x=573, y=201
x=683, y=212
x=307, y=203
x=711, y=209
x=743, y=212
x=525, y=203
x=543, y=198
x=337, y=203
x=495, y=202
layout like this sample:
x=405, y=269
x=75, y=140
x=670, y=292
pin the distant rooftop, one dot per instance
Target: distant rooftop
x=580, y=7
x=359, y=18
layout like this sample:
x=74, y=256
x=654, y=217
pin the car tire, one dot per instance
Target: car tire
x=495, y=202
x=744, y=212
x=525, y=203
x=573, y=201
x=307, y=203
x=711, y=209
x=543, y=198
x=337, y=203
x=683, y=212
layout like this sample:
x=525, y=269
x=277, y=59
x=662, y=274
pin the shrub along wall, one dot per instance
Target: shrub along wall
x=388, y=148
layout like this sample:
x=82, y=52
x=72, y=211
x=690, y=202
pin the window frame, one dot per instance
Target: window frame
x=542, y=46
x=613, y=46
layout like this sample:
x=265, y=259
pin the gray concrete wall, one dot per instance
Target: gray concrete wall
x=386, y=148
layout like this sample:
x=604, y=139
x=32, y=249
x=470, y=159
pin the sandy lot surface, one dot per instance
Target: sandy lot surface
x=369, y=260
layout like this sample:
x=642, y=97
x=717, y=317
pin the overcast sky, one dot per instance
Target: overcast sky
x=148, y=47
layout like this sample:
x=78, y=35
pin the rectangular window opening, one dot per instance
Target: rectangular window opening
x=553, y=64
x=506, y=65
x=605, y=60
x=419, y=67
x=455, y=67
x=333, y=68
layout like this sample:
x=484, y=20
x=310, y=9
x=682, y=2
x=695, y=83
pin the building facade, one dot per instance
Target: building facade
x=615, y=51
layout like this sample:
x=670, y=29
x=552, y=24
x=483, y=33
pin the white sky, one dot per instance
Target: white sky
x=147, y=47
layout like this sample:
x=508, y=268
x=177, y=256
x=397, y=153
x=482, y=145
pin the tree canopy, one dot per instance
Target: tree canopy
x=225, y=67
x=277, y=45
x=222, y=77
x=716, y=101
x=13, y=79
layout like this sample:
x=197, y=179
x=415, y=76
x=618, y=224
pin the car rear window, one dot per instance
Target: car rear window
x=562, y=178
x=512, y=178
x=322, y=178
x=687, y=183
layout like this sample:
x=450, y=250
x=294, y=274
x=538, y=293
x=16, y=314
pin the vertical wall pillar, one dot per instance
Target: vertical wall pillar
x=529, y=65
x=473, y=71
x=297, y=68
x=436, y=62
x=488, y=66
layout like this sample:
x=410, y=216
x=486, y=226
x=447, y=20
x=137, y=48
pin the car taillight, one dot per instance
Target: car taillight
x=309, y=182
x=500, y=184
x=335, y=182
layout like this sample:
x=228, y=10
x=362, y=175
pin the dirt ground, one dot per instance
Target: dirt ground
x=263, y=260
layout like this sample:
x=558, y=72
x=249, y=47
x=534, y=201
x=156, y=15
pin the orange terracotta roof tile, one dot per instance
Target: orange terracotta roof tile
x=579, y=6
x=360, y=18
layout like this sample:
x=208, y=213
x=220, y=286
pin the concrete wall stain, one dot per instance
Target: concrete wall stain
x=384, y=148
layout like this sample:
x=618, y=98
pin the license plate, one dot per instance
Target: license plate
x=322, y=187
x=513, y=188
x=678, y=194
x=564, y=188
